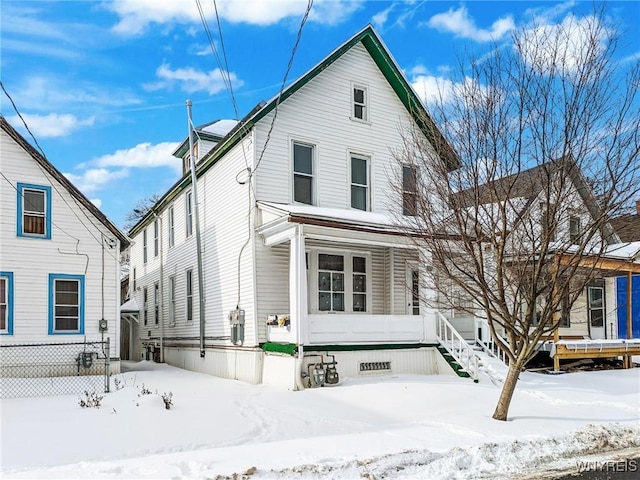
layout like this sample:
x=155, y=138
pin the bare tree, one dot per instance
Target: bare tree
x=546, y=135
x=140, y=210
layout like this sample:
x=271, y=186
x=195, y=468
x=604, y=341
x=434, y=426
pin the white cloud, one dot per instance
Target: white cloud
x=135, y=16
x=432, y=89
x=191, y=80
x=96, y=201
x=55, y=93
x=95, y=179
x=380, y=18
x=462, y=25
x=53, y=124
x=564, y=47
x=143, y=155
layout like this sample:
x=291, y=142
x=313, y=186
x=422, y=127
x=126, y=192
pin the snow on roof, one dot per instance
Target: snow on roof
x=336, y=214
x=220, y=127
x=628, y=250
x=130, y=306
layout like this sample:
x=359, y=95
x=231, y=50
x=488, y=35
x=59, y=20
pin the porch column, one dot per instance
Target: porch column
x=298, y=286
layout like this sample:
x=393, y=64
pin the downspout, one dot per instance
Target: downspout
x=197, y=225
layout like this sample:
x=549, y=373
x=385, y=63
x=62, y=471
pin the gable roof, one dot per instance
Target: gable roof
x=389, y=69
x=627, y=227
x=212, y=131
x=528, y=184
x=55, y=173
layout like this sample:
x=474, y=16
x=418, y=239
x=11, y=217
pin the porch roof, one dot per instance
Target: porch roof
x=130, y=306
x=280, y=221
x=617, y=258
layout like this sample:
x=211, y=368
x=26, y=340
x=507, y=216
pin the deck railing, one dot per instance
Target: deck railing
x=457, y=346
x=486, y=341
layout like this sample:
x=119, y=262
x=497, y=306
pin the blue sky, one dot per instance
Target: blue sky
x=103, y=85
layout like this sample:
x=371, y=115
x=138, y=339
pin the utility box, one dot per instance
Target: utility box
x=236, y=319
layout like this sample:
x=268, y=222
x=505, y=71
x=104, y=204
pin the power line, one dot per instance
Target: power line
x=284, y=81
x=53, y=184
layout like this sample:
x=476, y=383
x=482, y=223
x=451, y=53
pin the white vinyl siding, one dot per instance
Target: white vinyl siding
x=32, y=261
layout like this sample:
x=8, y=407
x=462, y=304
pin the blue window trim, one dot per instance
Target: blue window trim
x=64, y=276
x=47, y=220
x=9, y=277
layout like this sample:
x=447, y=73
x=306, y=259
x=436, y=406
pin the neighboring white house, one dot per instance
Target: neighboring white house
x=301, y=261
x=562, y=221
x=59, y=257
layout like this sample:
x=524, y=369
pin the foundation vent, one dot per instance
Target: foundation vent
x=374, y=366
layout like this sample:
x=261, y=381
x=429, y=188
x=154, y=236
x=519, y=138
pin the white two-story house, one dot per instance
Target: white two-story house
x=301, y=260
x=59, y=262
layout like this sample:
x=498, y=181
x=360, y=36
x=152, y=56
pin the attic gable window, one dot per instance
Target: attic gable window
x=359, y=99
x=303, y=173
x=574, y=229
x=34, y=211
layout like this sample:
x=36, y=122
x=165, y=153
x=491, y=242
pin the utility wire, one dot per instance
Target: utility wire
x=284, y=81
x=53, y=184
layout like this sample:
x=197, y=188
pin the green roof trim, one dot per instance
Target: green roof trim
x=287, y=348
x=382, y=58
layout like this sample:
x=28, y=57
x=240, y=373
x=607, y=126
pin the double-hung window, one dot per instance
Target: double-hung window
x=171, y=228
x=359, y=182
x=189, y=295
x=188, y=201
x=145, y=305
x=409, y=189
x=155, y=237
x=6, y=303
x=172, y=301
x=360, y=111
x=66, y=304
x=303, y=173
x=34, y=211
x=574, y=229
x=330, y=283
x=156, y=303
x=359, y=274
x=144, y=246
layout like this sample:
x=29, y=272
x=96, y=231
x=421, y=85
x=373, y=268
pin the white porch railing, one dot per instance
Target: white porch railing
x=485, y=341
x=457, y=346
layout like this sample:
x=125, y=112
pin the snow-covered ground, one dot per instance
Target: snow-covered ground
x=406, y=426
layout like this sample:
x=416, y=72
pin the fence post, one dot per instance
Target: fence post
x=107, y=366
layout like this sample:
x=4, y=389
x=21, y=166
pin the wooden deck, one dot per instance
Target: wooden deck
x=594, y=349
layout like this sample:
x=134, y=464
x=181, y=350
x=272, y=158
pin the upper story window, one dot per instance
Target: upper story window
x=172, y=237
x=360, y=110
x=66, y=304
x=144, y=246
x=6, y=303
x=188, y=202
x=135, y=283
x=303, y=173
x=359, y=182
x=155, y=237
x=34, y=211
x=409, y=189
x=574, y=229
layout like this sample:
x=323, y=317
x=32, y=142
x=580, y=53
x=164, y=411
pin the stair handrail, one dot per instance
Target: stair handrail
x=489, y=345
x=449, y=338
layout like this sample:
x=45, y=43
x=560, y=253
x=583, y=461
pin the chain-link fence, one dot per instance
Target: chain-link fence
x=47, y=369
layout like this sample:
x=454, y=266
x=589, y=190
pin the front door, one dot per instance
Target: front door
x=413, y=290
x=596, y=312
